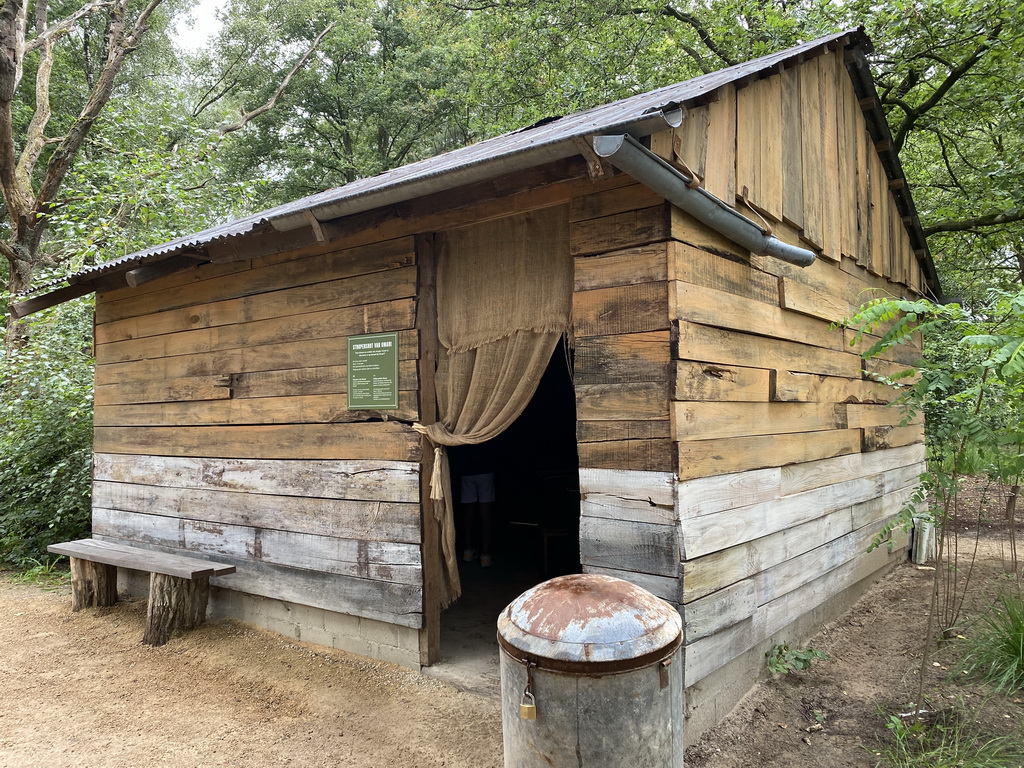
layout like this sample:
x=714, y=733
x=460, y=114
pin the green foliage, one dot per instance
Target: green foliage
x=996, y=653
x=46, y=435
x=46, y=573
x=946, y=741
x=783, y=660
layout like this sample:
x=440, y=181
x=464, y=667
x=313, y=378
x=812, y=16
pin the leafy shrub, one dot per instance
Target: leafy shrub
x=783, y=660
x=46, y=434
x=996, y=654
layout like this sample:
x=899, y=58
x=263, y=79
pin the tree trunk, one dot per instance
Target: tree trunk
x=175, y=605
x=92, y=584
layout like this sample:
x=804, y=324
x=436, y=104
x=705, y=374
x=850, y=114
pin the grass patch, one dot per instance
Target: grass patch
x=47, y=573
x=944, y=740
x=996, y=653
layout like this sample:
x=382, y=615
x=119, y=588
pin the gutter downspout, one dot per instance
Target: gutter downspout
x=629, y=155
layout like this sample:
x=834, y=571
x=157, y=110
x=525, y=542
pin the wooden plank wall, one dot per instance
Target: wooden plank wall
x=619, y=237
x=222, y=428
x=787, y=457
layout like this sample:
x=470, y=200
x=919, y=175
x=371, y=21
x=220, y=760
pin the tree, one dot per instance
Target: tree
x=82, y=57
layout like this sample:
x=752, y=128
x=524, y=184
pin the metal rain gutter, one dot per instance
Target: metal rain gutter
x=629, y=155
x=483, y=167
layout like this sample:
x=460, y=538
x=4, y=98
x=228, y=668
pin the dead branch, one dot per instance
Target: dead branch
x=248, y=117
x=65, y=24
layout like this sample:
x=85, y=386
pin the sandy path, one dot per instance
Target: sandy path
x=81, y=690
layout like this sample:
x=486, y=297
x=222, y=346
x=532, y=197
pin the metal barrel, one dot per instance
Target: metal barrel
x=591, y=676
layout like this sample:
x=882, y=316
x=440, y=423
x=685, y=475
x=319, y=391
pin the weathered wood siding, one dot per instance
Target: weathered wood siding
x=738, y=393
x=222, y=427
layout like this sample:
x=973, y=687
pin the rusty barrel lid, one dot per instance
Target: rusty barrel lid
x=590, y=624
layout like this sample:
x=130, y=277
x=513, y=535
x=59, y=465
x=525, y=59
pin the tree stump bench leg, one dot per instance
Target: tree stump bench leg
x=92, y=584
x=175, y=605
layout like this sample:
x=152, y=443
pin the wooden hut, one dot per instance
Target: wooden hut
x=734, y=454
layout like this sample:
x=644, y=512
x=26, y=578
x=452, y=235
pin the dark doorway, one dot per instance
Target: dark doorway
x=534, y=526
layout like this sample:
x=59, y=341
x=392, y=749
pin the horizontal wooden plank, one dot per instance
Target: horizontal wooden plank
x=880, y=438
x=720, y=309
x=710, y=533
x=396, y=481
x=168, y=390
x=722, y=273
x=703, y=458
x=797, y=296
x=283, y=356
x=874, y=511
x=371, y=318
x=866, y=415
x=621, y=230
x=125, y=556
x=707, y=654
x=390, y=602
x=643, y=264
x=627, y=309
x=608, y=202
x=306, y=409
x=710, y=381
x=213, y=283
x=196, y=273
x=797, y=478
x=711, y=614
x=377, y=560
x=772, y=583
x=635, y=401
x=610, y=507
x=629, y=546
x=665, y=587
x=690, y=231
x=338, y=518
x=641, y=455
x=603, y=431
x=791, y=387
x=718, y=493
x=712, y=572
x=622, y=358
x=385, y=285
x=705, y=344
x=772, y=618
x=320, y=380
x=377, y=440
x=654, y=488
x=706, y=421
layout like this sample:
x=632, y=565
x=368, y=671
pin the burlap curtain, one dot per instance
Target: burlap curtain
x=504, y=298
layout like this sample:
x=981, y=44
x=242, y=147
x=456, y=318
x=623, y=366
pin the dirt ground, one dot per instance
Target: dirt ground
x=80, y=690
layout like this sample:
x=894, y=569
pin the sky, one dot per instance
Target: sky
x=205, y=25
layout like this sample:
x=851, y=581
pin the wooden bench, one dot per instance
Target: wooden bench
x=179, y=586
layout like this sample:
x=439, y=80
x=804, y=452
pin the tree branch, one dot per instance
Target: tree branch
x=119, y=46
x=992, y=219
x=248, y=117
x=952, y=78
x=35, y=137
x=702, y=32
x=65, y=24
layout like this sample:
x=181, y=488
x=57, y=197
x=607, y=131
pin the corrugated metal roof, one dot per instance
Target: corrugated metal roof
x=551, y=140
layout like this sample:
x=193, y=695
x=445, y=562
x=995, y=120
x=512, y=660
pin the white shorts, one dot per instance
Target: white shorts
x=478, y=488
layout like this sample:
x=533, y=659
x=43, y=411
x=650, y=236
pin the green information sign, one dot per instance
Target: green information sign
x=373, y=372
